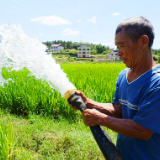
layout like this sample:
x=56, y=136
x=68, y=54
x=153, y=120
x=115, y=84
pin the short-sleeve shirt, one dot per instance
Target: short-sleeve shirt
x=140, y=101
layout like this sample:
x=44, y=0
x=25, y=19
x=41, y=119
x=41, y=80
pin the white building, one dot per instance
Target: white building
x=56, y=47
x=84, y=51
x=113, y=55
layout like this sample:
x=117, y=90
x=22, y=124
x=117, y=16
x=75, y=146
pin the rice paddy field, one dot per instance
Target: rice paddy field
x=30, y=109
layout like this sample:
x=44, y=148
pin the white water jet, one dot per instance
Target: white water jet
x=18, y=50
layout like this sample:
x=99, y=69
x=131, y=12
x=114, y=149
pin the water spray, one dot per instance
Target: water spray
x=18, y=50
x=104, y=142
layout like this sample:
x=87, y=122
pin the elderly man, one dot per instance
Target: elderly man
x=135, y=111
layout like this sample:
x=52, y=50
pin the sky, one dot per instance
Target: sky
x=91, y=21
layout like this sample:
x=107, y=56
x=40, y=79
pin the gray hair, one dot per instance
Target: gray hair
x=135, y=27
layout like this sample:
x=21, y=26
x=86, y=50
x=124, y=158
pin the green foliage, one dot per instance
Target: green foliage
x=67, y=52
x=159, y=59
x=155, y=57
x=61, y=52
x=156, y=54
x=156, y=51
x=42, y=138
x=106, y=52
x=6, y=140
x=97, y=81
x=71, y=59
x=93, y=52
x=100, y=49
x=25, y=94
x=84, y=59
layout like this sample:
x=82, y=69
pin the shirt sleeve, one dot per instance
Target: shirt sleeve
x=148, y=114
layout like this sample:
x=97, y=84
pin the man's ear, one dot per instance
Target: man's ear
x=144, y=41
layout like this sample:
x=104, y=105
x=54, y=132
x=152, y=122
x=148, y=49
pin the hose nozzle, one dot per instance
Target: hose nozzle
x=68, y=93
x=75, y=100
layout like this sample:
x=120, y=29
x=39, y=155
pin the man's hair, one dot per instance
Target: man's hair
x=135, y=27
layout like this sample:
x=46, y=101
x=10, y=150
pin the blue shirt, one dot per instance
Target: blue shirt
x=140, y=101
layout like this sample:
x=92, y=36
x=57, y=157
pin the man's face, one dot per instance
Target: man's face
x=128, y=51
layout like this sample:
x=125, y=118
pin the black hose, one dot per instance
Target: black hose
x=104, y=142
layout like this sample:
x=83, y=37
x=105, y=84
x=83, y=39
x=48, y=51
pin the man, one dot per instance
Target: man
x=135, y=111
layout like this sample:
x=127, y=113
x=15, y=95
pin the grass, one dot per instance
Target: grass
x=44, y=138
x=6, y=137
x=43, y=125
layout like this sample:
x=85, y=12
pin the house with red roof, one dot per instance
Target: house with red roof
x=56, y=47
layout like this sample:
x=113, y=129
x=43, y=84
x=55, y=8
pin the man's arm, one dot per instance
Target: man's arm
x=126, y=127
x=114, y=110
x=110, y=115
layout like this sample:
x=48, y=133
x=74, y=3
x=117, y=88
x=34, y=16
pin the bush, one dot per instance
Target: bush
x=159, y=59
x=155, y=57
x=83, y=59
x=93, y=52
x=106, y=52
x=61, y=51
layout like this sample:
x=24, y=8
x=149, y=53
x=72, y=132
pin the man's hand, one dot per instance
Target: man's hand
x=92, y=117
x=84, y=98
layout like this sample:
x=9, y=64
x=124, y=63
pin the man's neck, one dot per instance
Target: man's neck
x=142, y=67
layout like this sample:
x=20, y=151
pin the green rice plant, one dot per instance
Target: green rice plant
x=97, y=81
x=25, y=94
x=6, y=140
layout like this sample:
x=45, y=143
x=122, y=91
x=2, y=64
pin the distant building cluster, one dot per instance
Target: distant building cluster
x=84, y=52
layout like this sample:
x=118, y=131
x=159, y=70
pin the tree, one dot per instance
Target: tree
x=159, y=59
x=93, y=52
x=100, y=49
